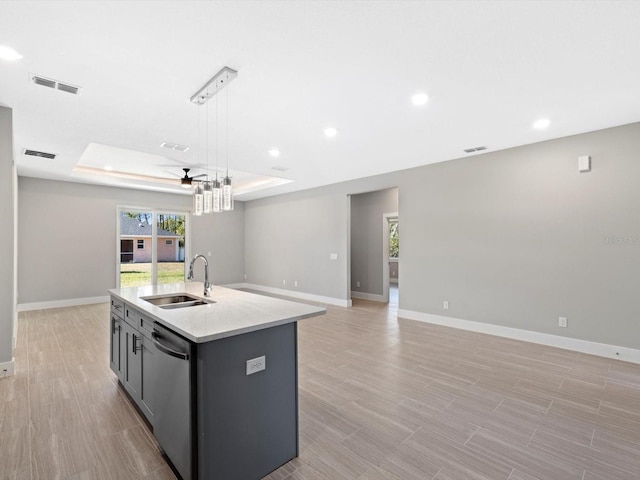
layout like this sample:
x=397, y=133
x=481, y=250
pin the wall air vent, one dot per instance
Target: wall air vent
x=35, y=153
x=475, y=149
x=50, y=83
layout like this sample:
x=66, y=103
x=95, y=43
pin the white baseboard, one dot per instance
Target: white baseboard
x=583, y=346
x=71, y=302
x=295, y=294
x=9, y=367
x=368, y=296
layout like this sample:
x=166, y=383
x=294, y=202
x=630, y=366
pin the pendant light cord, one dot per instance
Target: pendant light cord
x=227, y=131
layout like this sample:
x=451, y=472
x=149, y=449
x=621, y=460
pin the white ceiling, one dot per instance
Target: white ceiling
x=490, y=69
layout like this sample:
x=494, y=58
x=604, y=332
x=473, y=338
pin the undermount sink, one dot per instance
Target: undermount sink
x=176, y=300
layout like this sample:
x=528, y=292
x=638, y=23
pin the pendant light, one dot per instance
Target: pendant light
x=213, y=196
x=227, y=192
x=198, y=199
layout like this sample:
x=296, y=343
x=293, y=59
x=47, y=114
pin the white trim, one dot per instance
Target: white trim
x=368, y=296
x=9, y=367
x=70, y=302
x=291, y=293
x=585, y=346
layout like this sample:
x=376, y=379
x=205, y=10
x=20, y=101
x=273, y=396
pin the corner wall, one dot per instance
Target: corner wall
x=7, y=242
x=518, y=238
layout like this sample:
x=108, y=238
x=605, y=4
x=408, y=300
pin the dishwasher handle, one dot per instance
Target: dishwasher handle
x=163, y=348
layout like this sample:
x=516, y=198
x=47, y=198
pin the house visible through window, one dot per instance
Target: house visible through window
x=140, y=244
x=168, y=242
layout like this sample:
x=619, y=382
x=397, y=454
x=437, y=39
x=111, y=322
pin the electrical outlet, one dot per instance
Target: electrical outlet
x=245, y=276
x=284, y=283
x=256, y=365
x=445, y=304
x=562, y=322
x=358, y=284
x=295, y=284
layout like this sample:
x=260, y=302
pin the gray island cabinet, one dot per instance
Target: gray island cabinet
x=217, y=382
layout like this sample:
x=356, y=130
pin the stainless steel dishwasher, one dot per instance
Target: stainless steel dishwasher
x=174, y=409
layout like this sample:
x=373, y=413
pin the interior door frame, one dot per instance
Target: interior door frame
x=386, y=219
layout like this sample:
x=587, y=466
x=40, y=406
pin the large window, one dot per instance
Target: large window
x=160, y=241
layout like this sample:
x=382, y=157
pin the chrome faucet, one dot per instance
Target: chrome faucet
x=207, y=285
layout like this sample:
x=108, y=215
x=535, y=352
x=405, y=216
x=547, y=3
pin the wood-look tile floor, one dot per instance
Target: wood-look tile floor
x=380, y=399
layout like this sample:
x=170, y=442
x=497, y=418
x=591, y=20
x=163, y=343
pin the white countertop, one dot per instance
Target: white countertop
x=234, y=312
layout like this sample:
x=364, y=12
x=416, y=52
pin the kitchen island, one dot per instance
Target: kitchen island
x=216, y=381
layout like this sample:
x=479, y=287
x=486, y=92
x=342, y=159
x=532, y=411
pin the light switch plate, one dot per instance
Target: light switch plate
x=256, y=365
x=333, y=256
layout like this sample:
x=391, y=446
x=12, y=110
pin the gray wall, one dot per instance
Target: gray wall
x=7, y=260
x=290, y=237
x=367, y=238
x=67, y=237
x=222, y=235
x=520, y=237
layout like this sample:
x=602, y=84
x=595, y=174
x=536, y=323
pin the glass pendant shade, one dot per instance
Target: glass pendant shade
x=198, y=200
x=217, y=197
x=208, y=197
x=227, y=195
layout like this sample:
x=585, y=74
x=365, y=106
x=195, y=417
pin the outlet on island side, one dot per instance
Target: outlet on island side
x=445, y=304
x=562, y=322
x=256, y=365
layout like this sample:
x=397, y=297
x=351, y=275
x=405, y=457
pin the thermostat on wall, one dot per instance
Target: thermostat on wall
x=584, y=163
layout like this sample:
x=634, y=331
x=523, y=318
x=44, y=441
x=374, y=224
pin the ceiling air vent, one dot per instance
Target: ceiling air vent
x=68, y=88
x=35, y=153
x=475, y=149
x=44, y=82
x=48, y=82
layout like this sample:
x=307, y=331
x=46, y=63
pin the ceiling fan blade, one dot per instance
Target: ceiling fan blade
x=201, y=175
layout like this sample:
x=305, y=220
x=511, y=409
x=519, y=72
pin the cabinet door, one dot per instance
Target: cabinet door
x=115, y=360
x=149, y=377
x=133, y=361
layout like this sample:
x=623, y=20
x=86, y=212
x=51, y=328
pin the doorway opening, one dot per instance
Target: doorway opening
x=373, y=217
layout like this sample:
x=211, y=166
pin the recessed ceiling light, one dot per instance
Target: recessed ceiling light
x=274, y=152
x=108, y=168
x=9, y=54
x=541, y=124
x=330, y=132
x=419, y=99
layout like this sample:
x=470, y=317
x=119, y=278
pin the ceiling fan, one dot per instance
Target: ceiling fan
x=186, y=181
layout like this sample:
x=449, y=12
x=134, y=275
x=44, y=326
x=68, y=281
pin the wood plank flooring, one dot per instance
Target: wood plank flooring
x=380, y=399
